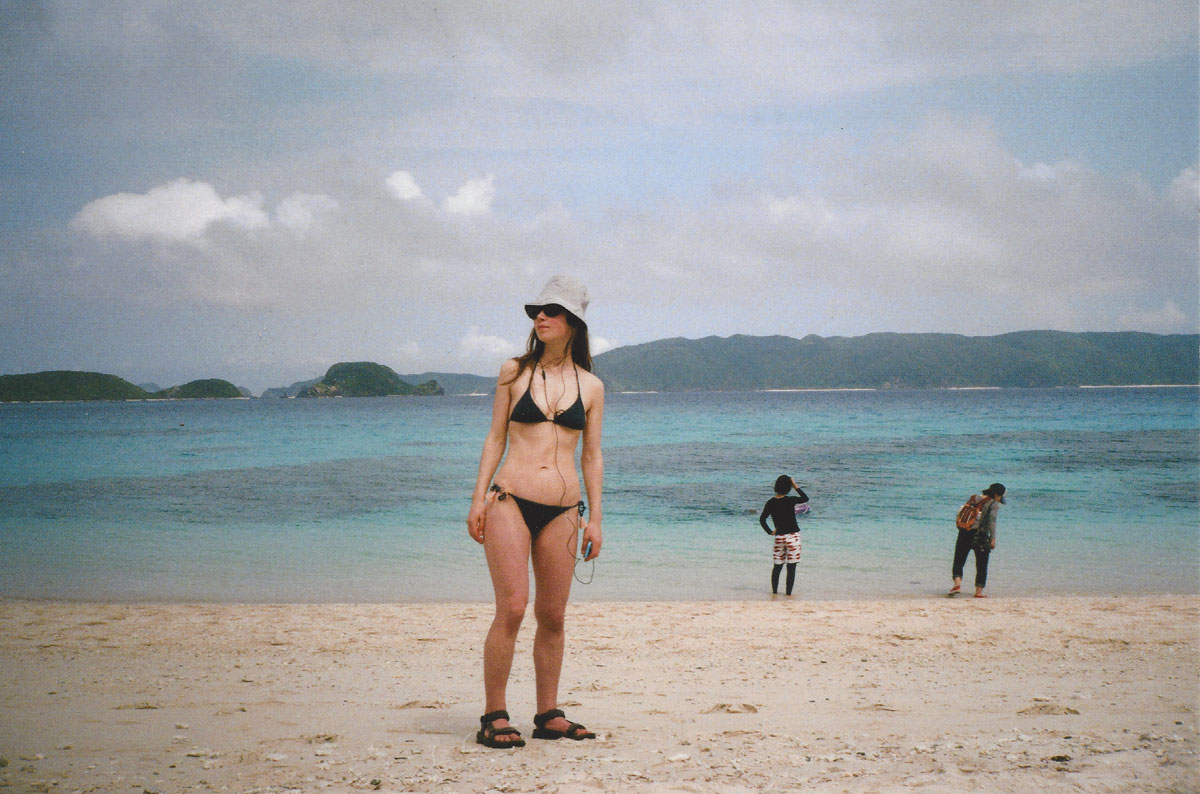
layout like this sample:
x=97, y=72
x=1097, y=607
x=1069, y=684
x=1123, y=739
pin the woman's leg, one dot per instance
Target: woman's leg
x=553, y=570
x=981, y=565
x=962, y=547
x=775, y=569
x=506, y=543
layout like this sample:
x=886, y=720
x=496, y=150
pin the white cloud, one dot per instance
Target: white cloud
x=600, y=344
x=1185, y=190
x=651, y=54
x=473, y=198
x=299, y=210
x=475, y=345
x=403, y=186
x=1166, y=316
x=812, y=210
x=178, y=211
x=1047, y=172
x=408, y=351
x=891, y=235
x=950, y=208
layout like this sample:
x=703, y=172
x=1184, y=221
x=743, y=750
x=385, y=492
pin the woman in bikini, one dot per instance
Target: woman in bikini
x=546, y=401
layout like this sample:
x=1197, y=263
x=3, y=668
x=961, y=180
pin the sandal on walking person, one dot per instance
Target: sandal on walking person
x=574, y=729
x=488, y=732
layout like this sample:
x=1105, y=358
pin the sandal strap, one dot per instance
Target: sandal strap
x=574, y=728
x=490, y=731
x=488, y=719
x=540, y=720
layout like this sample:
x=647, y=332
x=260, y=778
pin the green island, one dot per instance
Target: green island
x=63, y=385
x=204, y=389
x=366, y=379
x=70, y=385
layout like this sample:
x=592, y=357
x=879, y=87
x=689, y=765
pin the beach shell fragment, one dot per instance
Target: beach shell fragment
x=1041, y=709
x=733, y=708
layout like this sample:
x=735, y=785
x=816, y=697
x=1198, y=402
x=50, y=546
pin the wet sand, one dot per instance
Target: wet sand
x=1091, y=694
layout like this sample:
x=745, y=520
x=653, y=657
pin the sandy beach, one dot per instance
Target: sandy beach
x=1088, y=694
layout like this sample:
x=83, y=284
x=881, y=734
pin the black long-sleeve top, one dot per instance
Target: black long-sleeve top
x=782, y=510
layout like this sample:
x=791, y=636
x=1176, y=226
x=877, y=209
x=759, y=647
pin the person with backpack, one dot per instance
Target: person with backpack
x=976, y=532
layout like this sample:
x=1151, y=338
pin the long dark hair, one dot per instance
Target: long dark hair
x=578, y=345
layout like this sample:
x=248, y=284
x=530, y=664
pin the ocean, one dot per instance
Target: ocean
x=341, y=500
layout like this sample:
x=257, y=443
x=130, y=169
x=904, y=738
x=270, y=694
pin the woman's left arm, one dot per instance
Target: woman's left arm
x=591, y=460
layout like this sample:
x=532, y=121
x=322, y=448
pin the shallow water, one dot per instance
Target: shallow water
x=366, y=499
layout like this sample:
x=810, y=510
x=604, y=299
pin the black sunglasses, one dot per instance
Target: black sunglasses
x=550, y=310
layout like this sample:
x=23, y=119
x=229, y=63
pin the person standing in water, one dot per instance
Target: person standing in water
x=547, y=402
x=781, y=508
x=981, y=539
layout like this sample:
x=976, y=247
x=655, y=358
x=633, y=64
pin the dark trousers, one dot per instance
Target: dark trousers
x=963, y=547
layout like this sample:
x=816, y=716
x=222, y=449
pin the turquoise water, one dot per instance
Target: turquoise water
x=365, y=500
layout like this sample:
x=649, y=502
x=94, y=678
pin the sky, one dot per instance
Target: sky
x=255, y=191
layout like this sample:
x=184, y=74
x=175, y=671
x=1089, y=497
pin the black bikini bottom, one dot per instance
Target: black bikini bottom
x=536, y=514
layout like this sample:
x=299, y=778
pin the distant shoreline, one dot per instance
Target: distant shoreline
x=817, y=388
x=1143, y=386
x=704, y=391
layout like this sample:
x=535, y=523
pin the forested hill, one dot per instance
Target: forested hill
x=365, y=379
x=67, y=385
x=903, y=361
x=61, y=385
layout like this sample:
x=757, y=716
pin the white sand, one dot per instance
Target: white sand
x=1003, y=695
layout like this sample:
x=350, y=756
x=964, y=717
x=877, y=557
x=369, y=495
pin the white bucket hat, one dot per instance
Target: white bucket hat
x=567, y=292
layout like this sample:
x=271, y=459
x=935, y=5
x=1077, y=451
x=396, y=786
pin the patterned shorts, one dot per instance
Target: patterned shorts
x=787, y=548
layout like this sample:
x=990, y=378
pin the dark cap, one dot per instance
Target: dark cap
x=996, y=490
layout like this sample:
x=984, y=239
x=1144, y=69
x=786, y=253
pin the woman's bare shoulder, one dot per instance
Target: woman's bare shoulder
x=590, y=382
x=509, y=371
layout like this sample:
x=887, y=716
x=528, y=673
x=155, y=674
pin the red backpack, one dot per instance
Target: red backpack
x=968, y=514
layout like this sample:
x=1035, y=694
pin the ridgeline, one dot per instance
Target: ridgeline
x=903, y=361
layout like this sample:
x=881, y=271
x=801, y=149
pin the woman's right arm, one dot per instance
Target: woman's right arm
x=493, y=450
x=762, y=518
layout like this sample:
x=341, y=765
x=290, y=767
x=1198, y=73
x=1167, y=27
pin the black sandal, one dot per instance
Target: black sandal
x=487, y=734
x=574, y=729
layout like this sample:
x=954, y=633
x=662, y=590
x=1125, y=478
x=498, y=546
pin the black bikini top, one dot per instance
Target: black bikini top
x=526, y=411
